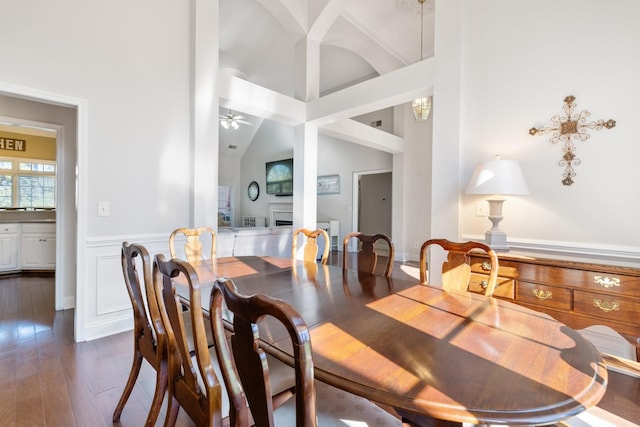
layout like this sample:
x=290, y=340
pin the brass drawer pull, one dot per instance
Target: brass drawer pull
x=484, y=284
x=542, y=294
x=606, y=306
x=486, y=266
x=606, y=282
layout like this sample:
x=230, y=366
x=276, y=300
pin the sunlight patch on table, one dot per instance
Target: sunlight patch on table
x=349, y=358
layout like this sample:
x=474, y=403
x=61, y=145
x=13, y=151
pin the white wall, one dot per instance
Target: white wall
x=129, y=63
x=343, y=158
x=520, y=60
x=135, y=79
x=273, y=141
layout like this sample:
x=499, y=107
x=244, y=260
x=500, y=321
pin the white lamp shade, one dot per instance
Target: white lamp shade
x=498, y=177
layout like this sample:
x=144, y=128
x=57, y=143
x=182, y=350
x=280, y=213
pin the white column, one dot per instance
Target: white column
x=305, y=176
x=305, y=146
x=204, y=125
x=445, y=185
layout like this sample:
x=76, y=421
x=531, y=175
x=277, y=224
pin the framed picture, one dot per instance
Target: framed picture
x=328, y=184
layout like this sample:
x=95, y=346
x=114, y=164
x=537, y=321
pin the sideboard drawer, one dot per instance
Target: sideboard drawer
x=505, y=286
x=505, y=269
x=588, y=279
x=546, y=296
x=612, y=283
x=612, y=307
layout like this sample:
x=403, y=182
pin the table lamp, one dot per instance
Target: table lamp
x=497, y=178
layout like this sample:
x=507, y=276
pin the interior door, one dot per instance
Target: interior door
x=374, y=205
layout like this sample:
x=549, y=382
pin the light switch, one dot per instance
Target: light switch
x=482, y=208
x=103, y=209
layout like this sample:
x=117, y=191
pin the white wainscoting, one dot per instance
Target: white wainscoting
x=107, y=305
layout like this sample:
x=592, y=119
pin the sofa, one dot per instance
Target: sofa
x=256, y=241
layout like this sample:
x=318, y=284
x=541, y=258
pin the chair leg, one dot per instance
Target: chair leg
x=162, y=377
x=172, y=412
x=128, y=388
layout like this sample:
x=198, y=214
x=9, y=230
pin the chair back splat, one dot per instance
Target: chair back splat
x=367, y=256
x=456, y=270
x=250, y=360
x=192, y=249
x=193, y=379
x=310, y=247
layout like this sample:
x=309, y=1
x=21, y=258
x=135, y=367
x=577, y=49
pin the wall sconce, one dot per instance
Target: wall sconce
x=497, y=178
x=421, y=108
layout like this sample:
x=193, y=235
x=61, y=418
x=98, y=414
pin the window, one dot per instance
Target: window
x=27, y=184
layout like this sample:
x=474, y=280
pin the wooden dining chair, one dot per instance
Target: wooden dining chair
x=367, y=258
x=193, y=381
x=149, y=336
x=310, y=246
x=247, y=376
x=192, y=250
x=194, y=377
x=456, y=270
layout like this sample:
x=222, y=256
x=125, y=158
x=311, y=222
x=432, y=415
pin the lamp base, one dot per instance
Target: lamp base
x=497, y=240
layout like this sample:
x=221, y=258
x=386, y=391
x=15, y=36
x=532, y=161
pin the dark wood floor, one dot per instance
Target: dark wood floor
x=46, y=379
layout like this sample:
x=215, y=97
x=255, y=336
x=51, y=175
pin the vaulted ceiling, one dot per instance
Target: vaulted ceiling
x=358, y=40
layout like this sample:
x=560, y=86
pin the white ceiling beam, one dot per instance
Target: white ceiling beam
x=359, y=133
x=327, y=17
x=394, y=88
x=242, y=95
x=290, y=14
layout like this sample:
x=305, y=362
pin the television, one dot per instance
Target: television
x=280, y=177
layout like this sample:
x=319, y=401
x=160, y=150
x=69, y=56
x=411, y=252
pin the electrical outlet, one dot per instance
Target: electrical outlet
x=482, y=208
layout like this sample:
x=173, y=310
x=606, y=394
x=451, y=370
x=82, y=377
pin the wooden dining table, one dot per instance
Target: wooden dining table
x=460, y=357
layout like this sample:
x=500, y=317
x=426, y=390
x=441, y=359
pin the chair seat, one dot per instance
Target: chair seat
x=338, y=408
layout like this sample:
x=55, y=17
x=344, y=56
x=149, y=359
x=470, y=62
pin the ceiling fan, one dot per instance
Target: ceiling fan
x=232, y=121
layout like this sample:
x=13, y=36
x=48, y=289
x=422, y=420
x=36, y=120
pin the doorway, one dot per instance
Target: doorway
x=372, y=202
x=62, y=115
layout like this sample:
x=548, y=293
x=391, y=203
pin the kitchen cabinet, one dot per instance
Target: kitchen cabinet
x=9, y=247
x=38, y=246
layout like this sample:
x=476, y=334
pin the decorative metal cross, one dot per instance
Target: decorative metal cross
x=567, y=129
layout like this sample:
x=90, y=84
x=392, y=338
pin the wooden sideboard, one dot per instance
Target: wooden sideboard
x=578, y=294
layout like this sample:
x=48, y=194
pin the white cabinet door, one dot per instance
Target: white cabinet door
x=8, y=252
x=38, y=247
x=49, y=252
x=31, y=251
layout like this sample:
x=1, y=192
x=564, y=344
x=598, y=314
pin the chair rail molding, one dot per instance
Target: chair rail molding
x=626, y=256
